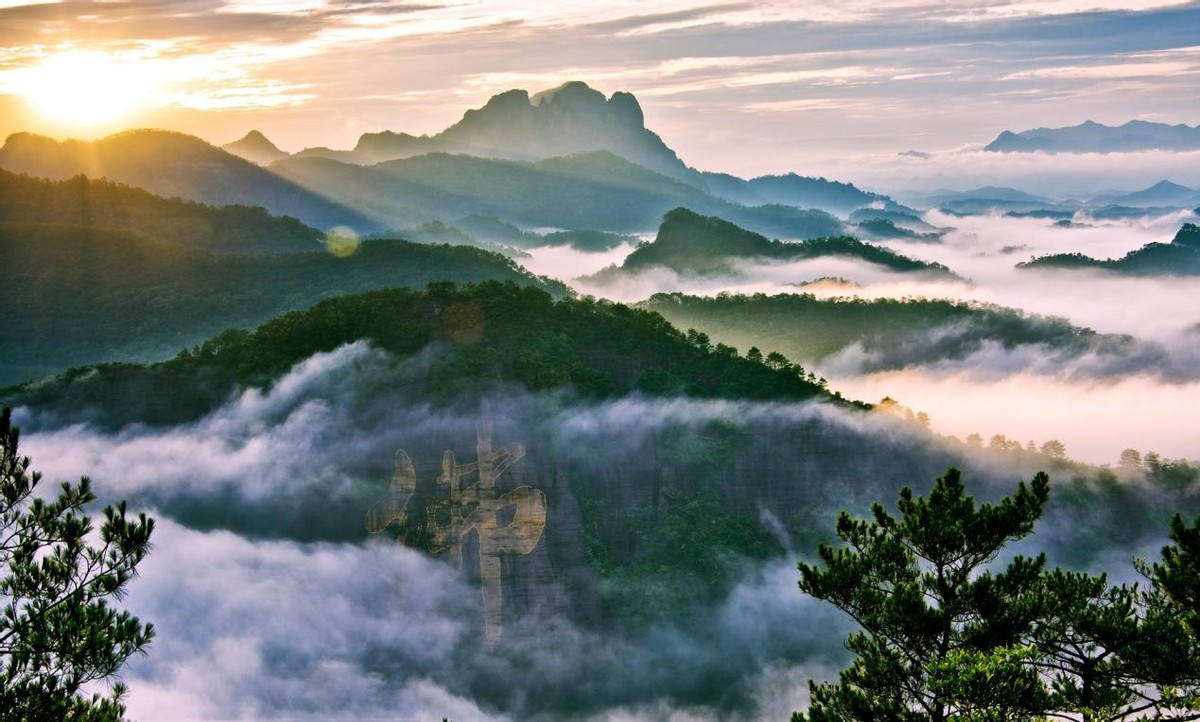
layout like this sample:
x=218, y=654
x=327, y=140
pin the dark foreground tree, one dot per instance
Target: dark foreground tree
x=944, y=639
x=58, y=634
x=941, y=634
x=1111, y=653
x=1169, y=647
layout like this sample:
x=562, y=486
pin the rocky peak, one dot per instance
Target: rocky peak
x=256, y=148
x=569, y=119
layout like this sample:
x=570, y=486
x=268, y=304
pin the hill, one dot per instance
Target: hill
x=255, y=148
x=672, y=503
x=175, y=165
x=1163, y=194
x=89, y=294
x=885, y=333
x=500, y=332
x=104, y=204
x=688, y=242
x=591, y=191
x=1092, y=137
x=795, y=190
x=1180, y=257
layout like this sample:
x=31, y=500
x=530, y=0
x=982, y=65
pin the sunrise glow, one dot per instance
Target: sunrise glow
x=86, y=88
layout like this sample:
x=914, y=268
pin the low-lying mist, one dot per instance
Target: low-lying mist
x=1137, y=394
x=1057, y=176
x=271, y=601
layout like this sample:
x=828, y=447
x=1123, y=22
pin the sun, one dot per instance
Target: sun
x=86, y=88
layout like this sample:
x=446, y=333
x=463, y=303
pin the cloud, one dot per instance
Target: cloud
x=346, y=68
x=1095, y=419
x=271, y=602
x=279, y=630
x=264, y=618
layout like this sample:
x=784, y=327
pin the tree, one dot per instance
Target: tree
x=1169, y=654
x=58, y=633
x=1131, y=459
x=920, y=589
x=1086, y=637
x=1055, y=449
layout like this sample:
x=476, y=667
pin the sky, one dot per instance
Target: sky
x=747, y=88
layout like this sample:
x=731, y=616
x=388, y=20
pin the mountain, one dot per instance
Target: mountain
x=688, y=242
x=899, y=219
x=575, y=119
x=572, y=118
x=173, y=164
x=255, y=148
x=509, y=240
x=1160, y=195
x=879, y=334
x=590, y=191
x=989, y=193
x=521, y=332
x=1092, y=137
x=89, y=294
x=989, y=199
x=1180, y=257
x=666, y=521
x=104, y=204
x=795, y=190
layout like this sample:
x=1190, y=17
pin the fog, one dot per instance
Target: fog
x=280, y=630
x=1095, y=420
x=1156, y=308
x=271, y=602
x=1058, y=176
x=255, y=622
x=1139, y=392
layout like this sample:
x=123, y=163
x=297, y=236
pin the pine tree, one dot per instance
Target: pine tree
x=57, y=630
x=932, y=614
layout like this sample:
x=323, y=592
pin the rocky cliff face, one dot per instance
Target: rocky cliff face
x=572, y=118
x=787, y=473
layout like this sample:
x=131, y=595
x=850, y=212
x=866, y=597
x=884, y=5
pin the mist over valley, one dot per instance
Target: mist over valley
x=504, y=363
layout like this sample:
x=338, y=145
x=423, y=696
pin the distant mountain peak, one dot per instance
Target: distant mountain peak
x=569, y=119
x=1092, y=137
x=1166, y=185
x=256, y=148
x=1163, y=193
x=572, y=91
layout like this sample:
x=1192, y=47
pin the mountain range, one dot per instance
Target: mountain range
x=1163, y=194
x=868, y=336
x=81, y=201
x=175, y=165
x=567, y=158
x=572, y=118
x=690, y=243
x=1162, y=197
x=1180, y=257
x=1092, y=137
x=99, y=292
